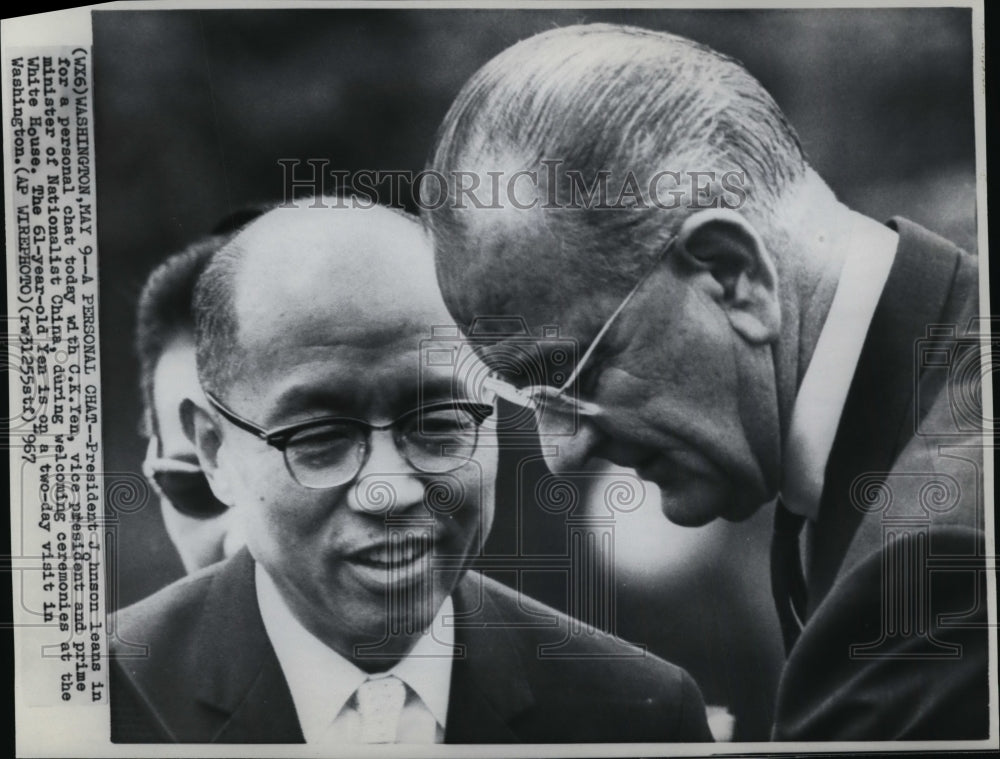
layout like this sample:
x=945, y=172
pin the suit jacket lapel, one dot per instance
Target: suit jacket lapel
x=878, y=415
x=240, y=679
x=488, y=683
x=245, y=693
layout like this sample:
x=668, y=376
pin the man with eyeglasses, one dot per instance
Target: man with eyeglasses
x=361, y=467
x=741, y=336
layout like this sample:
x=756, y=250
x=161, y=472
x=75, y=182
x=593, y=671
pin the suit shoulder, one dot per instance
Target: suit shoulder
x=609, y=659
x=592, y=681
x=514, y=606
x=847, y=659
x=164, y=613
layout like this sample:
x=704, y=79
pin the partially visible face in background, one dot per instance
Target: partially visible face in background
x=200, y=527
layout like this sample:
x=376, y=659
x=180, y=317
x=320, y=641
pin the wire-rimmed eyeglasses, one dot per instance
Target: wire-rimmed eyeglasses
x=557, y=409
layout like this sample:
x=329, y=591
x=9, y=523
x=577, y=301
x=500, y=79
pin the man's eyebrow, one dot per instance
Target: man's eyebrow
x=305, y=401
x=437, y=387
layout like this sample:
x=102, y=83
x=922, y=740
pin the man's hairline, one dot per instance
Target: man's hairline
x=242, y=251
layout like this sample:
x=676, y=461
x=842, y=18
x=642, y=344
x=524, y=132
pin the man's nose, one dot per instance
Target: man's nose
x=565, y=454
x=387, y=484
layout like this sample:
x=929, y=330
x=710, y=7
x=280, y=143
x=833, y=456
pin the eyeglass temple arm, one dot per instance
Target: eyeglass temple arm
x=170, y=465
x=504, y=390
x=236, y=419
x=574, y=375
x=152, y=455
x=279, y=438
x=154, y=463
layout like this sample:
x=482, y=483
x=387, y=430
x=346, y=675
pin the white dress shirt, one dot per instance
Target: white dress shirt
x=322, y=682
x=823, y=393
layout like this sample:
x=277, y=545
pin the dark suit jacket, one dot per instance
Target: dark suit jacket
x=895, y=644
x=209, y=673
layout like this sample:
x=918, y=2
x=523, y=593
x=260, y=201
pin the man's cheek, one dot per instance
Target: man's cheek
x=232, y=472
x=479, y=482
x=486, y=509
x=472, y=481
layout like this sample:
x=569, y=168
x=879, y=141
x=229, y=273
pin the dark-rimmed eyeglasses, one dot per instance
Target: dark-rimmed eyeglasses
x=330, y=451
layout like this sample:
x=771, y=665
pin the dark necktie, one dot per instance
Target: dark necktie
x=788, y=585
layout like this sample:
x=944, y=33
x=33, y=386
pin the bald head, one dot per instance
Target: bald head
x=358, y=276
x=315, y=322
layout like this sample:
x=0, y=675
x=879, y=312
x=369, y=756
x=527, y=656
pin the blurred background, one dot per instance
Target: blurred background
x=195, y=109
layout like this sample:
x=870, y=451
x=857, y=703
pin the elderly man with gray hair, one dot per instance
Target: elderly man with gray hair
x=743, y=337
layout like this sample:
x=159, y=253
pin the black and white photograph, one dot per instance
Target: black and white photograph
x=561, y=379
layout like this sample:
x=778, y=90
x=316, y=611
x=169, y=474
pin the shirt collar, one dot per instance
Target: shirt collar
x=322, y=681
x=425, y=670
x=827, y=381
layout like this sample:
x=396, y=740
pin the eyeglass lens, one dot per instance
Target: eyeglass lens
x=557, y=415
x=433, y=442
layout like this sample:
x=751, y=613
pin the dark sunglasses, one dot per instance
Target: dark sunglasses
x=183, y=484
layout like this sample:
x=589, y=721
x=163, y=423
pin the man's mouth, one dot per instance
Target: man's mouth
x=651, y=470
x=396, y=554
x=677, y=466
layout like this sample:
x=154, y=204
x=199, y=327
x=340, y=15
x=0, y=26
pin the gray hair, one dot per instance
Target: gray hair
x=598, y=98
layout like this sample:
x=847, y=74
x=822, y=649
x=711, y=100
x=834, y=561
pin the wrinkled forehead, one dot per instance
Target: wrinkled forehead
x=362, y=373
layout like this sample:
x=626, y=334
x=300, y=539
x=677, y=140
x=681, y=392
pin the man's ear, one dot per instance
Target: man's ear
x=720, y=252
x=206, y=437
